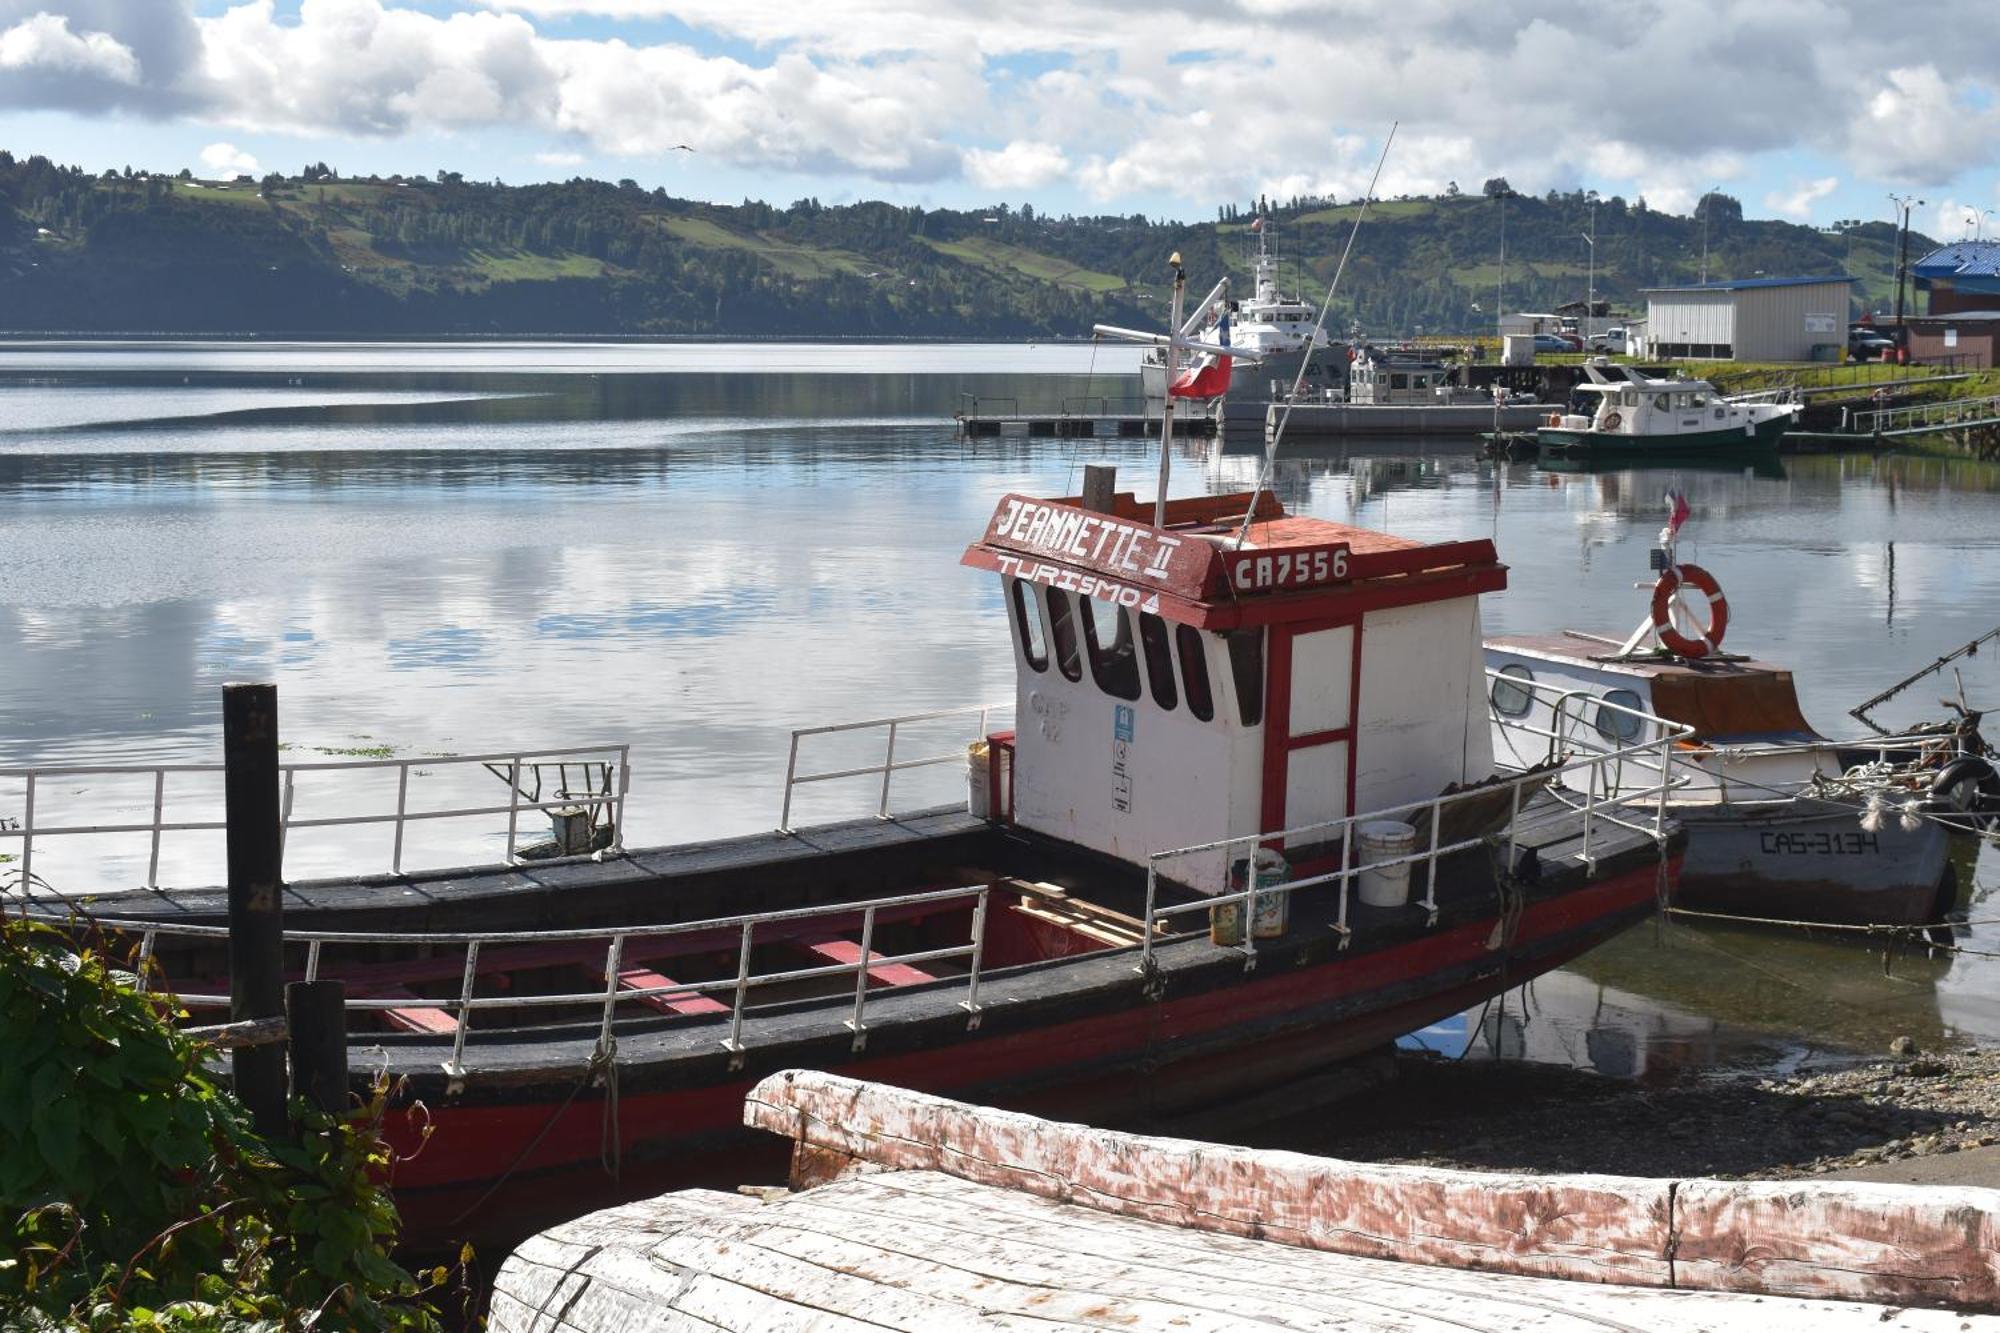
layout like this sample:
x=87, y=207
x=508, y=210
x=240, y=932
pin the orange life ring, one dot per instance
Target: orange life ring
x=1611, y=420
x=1664, y=593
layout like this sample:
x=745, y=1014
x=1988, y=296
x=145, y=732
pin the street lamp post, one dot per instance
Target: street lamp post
x=1590, y=292
x=1905, y=202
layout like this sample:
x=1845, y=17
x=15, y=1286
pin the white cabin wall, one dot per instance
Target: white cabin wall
x=1416, y=732
x=1178, y=781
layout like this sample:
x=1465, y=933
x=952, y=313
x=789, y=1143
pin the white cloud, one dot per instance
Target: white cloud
x=1200, y=102
x=1919, y=128
x=560, y=159
x=1021, y=165
x=1797, y=202
x=45, y=42
x=226, y=159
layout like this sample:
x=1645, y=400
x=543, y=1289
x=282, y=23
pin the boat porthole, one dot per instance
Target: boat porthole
x=1513, y=693
x=1615, y=726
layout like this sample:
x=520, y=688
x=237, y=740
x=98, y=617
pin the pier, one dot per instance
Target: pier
x=1253, y=420
x=1075, y=418
x=1876, y=426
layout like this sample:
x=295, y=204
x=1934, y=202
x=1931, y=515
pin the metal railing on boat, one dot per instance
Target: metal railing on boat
x=610, y=766
x=618, y=941
x=890, y=765
x=1576, y=723
x=1599, y=801
x=1597, y=805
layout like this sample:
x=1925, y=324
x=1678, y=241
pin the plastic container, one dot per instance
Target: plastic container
x=979, y=780
x=1384, y=840
x=1271, y=913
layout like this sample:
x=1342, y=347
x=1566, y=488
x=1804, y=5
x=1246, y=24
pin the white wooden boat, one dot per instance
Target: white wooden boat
x=1783, y=822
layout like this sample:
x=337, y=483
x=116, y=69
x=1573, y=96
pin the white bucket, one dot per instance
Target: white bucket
x=1384, y=840
x=978, y=780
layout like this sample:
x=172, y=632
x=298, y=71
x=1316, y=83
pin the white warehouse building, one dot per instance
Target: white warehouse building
x=1756, y=319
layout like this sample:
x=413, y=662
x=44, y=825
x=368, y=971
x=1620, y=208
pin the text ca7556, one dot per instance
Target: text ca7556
x=1264, y=571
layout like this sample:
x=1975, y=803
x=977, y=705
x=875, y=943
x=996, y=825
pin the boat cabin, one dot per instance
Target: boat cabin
x=1622, y=400
x=1209, y=678
x=1375, y=379
x=1579, y=692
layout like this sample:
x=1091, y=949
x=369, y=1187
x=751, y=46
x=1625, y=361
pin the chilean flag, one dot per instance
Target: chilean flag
x=1208, y=377
x=1677, y=514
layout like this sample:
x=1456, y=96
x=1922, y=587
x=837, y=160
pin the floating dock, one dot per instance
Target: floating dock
x=1309, y=421
x=1081, y=426
x=911, y=1211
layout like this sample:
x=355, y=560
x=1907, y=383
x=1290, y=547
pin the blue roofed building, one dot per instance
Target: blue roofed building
x=1962, y=276
x=1751, y=319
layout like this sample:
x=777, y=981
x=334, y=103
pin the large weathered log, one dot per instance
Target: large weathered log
x=1914, y=1245
x=1892, y=1243
x=1590, y=1228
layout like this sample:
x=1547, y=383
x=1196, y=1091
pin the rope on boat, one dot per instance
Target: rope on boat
x=601, y=1060
x=1893, y=936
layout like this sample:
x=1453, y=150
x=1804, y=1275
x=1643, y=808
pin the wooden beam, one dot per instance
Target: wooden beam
x=1904, y=1245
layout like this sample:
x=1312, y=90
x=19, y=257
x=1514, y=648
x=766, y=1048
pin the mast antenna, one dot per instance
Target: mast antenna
x=1312, y=344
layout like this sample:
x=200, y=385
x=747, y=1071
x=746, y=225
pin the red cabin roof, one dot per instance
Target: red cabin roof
x=1192, y=570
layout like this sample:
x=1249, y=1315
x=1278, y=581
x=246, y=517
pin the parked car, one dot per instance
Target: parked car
x=1552, y=342
x=1866, y=344
x=1612, y=340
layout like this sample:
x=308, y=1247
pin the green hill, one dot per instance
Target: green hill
x=320, y=254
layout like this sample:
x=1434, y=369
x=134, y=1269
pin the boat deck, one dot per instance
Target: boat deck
x=1069, y=926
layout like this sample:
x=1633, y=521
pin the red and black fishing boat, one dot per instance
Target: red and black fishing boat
x=1170, y=892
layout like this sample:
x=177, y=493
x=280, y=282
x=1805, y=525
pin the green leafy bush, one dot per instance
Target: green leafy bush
x=135, y=1192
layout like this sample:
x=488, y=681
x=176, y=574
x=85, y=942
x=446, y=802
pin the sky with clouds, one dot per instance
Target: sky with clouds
x=1811, y=110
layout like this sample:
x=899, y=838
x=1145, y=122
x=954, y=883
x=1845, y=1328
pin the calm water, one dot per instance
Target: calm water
x=453, y=549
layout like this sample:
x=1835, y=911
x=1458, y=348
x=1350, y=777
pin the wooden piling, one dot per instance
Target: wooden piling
x=256, y=912
x=1100, y=487
x=316, y=1020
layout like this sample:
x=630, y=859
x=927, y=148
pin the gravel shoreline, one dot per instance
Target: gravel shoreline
x=1517, y=1116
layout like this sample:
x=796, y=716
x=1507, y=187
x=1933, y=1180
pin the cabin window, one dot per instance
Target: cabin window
x=1159, y=660
x=1194, y=672
x=1062, y=633
x=1399, y=381
x=1664, y=402
x=1616, y=727
x=1114, y=658
x=1513, y=694
x=1246, y=669
x=1629, y=397
x=1028, y=625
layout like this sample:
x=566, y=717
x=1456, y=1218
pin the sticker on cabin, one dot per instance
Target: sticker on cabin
x=1124, y=722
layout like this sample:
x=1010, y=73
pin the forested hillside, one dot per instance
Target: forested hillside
x=320, y=253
